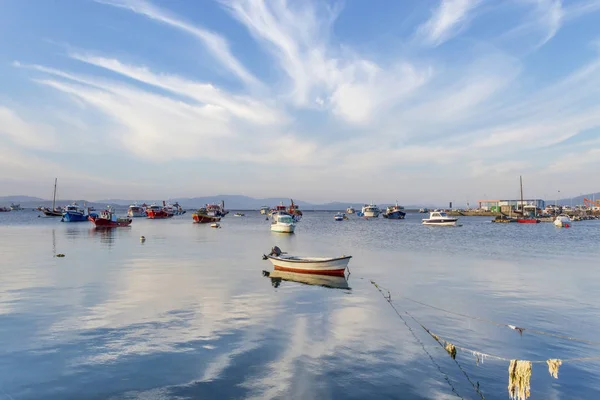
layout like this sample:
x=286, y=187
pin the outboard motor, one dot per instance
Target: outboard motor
x=275, y=251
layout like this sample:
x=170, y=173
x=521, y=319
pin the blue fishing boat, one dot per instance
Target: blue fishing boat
x=74, y=214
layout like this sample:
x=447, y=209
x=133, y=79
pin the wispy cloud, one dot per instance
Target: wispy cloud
x=214, y=42
x=446, y=21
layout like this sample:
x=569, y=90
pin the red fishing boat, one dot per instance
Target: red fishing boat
x=528, y=221
x=202, y=217
x=294, y=211
x=107, y=219
x=158, y=212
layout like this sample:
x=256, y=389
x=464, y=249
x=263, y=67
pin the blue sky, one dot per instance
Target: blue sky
x=355, y=100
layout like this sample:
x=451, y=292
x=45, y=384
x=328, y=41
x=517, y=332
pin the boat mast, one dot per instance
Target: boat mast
x=522, y=209
x=54, y=197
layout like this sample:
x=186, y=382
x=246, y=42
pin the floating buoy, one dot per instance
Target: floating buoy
x=142, y=239
x=60, y=255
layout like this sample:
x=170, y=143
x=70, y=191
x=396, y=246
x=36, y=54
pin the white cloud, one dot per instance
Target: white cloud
x=25, y=133
x=447, y=20
x=354, y=87
x=215, y=43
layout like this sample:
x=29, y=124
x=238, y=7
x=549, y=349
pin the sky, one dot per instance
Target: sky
x=416, y=100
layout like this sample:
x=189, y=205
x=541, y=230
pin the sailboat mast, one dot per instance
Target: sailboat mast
x=521, y=181
x=54, y=197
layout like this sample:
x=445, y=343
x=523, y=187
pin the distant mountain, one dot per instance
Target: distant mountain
x=575, y=200
x=19, y=199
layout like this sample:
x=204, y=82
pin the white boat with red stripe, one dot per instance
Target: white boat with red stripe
x=335, y=266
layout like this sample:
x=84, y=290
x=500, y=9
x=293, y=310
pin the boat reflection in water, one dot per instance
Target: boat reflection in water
x=328, y=281
x=106, y=236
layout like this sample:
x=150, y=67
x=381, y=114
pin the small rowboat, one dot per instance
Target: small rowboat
x=309, y=265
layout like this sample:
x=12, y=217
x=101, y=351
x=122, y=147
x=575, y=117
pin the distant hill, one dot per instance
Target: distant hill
x=575, y=200
x=19, y=199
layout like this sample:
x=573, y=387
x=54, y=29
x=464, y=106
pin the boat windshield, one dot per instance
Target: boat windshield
x=443, y=214
x=285, y=220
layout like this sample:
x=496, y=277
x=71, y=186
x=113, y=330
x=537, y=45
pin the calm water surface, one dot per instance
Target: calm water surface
x=188, y=314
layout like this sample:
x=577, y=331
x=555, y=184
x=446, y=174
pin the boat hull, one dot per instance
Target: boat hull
x=331, y=266
x=158, y=214
x=107, y=223
x=447, y=222
x=283, y=228
x=74, y=217
x=394, y=215
x=204, y=219
x=528, y=221
x=562, y=222
x=136, y=214
x=370, y=214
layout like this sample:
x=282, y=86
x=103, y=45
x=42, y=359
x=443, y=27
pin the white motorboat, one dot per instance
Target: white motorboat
x=439, y=218
x=350, y=210
x=370, y=211
x=335, y=266
x=423, y=210
x=135, y=211
x=264, y=210
x=339, y=217
x=283, y=224
x=562, y=221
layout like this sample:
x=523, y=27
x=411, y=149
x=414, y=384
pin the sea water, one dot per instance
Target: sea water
x=188, y=314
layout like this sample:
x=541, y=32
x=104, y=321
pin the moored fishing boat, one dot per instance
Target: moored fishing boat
x=264, y=210
x=73, y=213
x=4, y=209
x=283, y=223
x=439, y=218
x=525, y=219
x=423, y=210
x=394, y=212
x=350, y=210
x=310, y=265
x=370, y=211
x=135, y=211
x=562, y=221
x=216, y=210
x=239, y=214
x=294, y=211
x=201, y=217
x=16, y=207
x=503, y=219
x=54, y=211
x=157, y=212
x=174, y=209
x=107, y=219
x=339, y=217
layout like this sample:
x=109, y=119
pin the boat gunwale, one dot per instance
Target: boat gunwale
x=301, y=261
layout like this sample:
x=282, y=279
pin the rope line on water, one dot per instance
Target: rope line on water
x=446, y=377
x=501, y=324
x=440, y=339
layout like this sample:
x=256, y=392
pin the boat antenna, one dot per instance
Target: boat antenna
x=54, y=197
x=522, y=210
